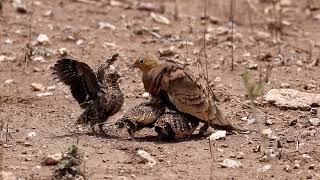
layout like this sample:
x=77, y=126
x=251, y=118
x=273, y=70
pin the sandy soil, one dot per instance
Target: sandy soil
x=52, y=117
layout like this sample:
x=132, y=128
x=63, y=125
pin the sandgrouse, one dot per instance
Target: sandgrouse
x=143, y=115
x=97, y=91
x=182, y=88
x=173, y=125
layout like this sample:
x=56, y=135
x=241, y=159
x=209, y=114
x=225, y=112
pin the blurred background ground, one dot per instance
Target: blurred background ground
x=91, y=30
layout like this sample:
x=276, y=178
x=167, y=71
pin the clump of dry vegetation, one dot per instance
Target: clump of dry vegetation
x=69, y=165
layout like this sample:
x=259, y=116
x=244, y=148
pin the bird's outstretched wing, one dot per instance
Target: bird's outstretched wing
x=79, y=77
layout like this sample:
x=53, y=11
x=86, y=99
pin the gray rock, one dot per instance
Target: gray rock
x=221, y=134
x=292, y=99
x=315, y=121
x=229, y=163
x=264, y=168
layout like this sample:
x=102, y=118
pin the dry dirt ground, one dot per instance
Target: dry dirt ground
x=51, y=118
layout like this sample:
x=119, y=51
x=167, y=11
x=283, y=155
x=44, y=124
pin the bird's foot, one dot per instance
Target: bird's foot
x=131, y=133
x=102, y=131
x=204, y=130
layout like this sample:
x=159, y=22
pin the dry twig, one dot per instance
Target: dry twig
x=232, y=7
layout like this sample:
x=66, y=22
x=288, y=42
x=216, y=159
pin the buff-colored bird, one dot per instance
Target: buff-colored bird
x=183, y=88
x=174, y=125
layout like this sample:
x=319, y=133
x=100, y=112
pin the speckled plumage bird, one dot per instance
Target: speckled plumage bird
x=143, y=115
x=174, y=125
x=97, y=91
x=182, y=88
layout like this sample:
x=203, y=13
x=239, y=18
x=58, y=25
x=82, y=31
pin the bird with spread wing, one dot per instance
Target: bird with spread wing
x=97, y=91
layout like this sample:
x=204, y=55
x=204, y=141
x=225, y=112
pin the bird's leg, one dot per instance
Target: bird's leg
x=101, y=128
x=204, y=129
x=131, y=133
x=194, y=126
x=93, y=128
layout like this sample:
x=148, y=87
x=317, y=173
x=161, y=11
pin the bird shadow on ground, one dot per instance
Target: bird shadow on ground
x=119, y=137
x=158, y=140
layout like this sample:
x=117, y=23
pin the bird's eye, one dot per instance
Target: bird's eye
x=141, y=61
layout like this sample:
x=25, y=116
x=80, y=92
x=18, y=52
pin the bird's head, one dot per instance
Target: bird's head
x=146, y=62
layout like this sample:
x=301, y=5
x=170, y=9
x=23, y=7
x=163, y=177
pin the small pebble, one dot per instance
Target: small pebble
x=296, y=166
x=43, y=39
x=37, y=87
x=240, y=155
x=287, y=168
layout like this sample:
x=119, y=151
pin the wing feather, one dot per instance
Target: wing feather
x=78, y=76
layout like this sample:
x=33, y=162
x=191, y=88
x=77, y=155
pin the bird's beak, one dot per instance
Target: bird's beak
x=132, y=66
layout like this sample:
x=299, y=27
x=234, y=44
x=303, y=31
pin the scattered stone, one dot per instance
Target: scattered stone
x=214, y=20
x=8, y=81
x=146, y=157
x=287, y=168
x=293, y=122
x=79, y=42
x=27, y=144
x=240, y=155
x=314, y=5
x=231, y=156
x=36, y=69
x=261, y=35
x=309, y=176
x=312, y=166
x=32, y=134
x=167, y=51
x=306, y=156
x=38, y=87
x=285, y=2
x=44, y=94
x=8, y=176
x=264, y=168
x=268, y=122
x=267, y=132
x=296, y=166
x=217, y=79
x=285, y=85
x=43, y=39
x=292, y=99
x=314, y=111
x=221, y=31
x=51, y=88
x=19, y=6
x=117, y=3
x=160, y=19
x=106, y=25
x=63, y=51
x=245, y=118
x=8, y=41
x=310, y=86
x=39, y=59
x=145, y=94
x=251, y=120
x=149, y=6
x=220, y=134
x=315, y=121
x=229, y=163
x=4, y=58
x=48, y=13
x=252, y=66
x=109, y=44
x=51, y=160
